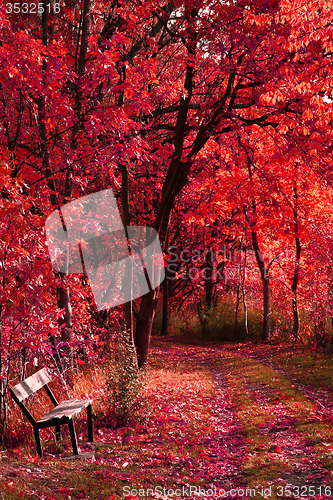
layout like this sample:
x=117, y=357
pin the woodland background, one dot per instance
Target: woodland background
x=212, y=122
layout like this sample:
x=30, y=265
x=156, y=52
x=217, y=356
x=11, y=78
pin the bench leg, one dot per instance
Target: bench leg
x=90, y=425
x=73, y=437
x=37, y=439
x=58, y=432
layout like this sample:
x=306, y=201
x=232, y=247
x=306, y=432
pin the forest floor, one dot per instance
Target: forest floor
x=225, y=421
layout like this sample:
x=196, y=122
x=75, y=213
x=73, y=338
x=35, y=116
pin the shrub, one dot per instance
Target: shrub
x=125, y=387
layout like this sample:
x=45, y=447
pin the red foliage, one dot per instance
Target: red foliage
x=164, y=103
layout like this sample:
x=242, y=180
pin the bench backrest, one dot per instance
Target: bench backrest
x=31, y=384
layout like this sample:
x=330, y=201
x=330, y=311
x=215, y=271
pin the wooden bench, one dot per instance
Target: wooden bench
x=62, y=413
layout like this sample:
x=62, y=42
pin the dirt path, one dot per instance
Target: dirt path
x=321, y=398
x=286, y=443
x=299, y=453
x=228, y=440
x=222, y=448
x=225, y=447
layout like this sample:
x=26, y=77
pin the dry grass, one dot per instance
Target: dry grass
x=157, y=452
x=281, y=426
x=171, y=447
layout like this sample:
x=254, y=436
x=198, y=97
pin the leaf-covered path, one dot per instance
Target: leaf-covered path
x=293, y=441
x=224, y=446
x=221, y=425
x=228, y=436
x=320, y=397
x=295, y=426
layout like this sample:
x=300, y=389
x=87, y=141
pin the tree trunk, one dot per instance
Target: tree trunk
x=237, y=307
x=267, y=310
x=296, y=272
x=265, y=289
x=128, y=309
x=165, y=315
x=128, y=281
x=65, y=321
x=209, y=280
x=144, y=325
x=244, y=297
x=296, y=323
x=245, y=316
x=175, y=180
x=266, y=326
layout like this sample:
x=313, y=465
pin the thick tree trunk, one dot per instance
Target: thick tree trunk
x=295, y=318
x=201, y=317
x=144, y=325
x=128, y=310
x=175, y=180
x=65, y=321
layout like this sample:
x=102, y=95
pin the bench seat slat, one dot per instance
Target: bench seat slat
x=66, y=409
x=31, y=384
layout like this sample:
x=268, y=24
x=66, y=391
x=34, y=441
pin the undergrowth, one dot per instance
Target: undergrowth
x=125, y=387
x=176, y=444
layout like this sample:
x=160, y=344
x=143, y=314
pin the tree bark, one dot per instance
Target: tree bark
x=296, y=323
x=165, y=315
x=175, y=180
x=237, y=306
x=209, y=280
x=144, y=325
x=266, y=327
x=267, y=310
x=128, y=281
x=244, y=297
x=265, y=289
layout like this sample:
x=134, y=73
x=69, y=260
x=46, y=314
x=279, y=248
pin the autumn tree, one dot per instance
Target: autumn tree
x=142, y=96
